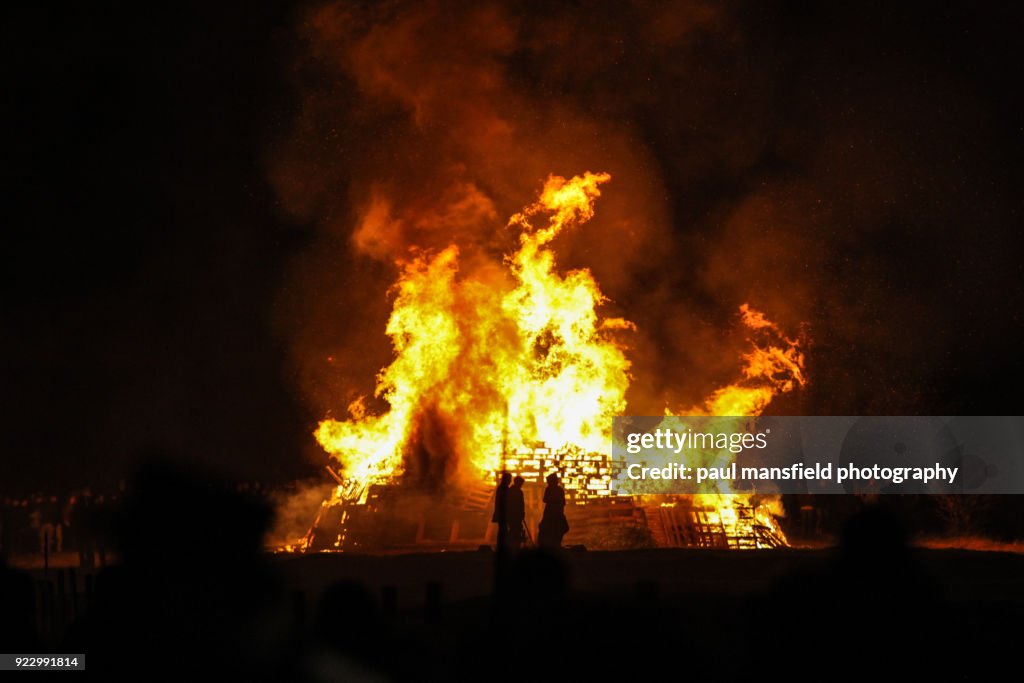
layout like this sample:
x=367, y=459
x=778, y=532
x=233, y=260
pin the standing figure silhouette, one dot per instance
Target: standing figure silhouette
x=515, y=511
x=500, y=516
x=553, y=524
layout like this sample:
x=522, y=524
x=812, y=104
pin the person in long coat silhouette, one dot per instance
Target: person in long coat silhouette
x=553, y=524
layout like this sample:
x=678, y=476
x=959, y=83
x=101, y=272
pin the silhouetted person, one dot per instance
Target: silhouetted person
x=515, y=509
x=553, y=525
x=192, y=572
x=50, y=531
x=35, y=521
x=82, y=529
x=810, y=516
x=500, y=516
x=23, y=537
x=845, y=614
x=102, y=523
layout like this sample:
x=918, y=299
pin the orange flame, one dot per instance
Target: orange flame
x=775, y=365
x=513, y=357
x=522, y=355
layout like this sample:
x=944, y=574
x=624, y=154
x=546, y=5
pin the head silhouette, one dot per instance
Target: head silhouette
x=518, y=482
x=506, y=479
x=552, y=479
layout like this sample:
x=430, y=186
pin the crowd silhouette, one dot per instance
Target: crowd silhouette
x=193, y=590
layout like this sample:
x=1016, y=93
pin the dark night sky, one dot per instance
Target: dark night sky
x=145, y=250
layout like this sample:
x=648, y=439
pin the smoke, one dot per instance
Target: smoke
x=420, y=128
x=736, y=177
x=293, y=512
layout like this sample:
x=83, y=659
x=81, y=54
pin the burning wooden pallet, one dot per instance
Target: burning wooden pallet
x=384, y=516
x=586, y=477
x=678, y=524
x=389, y=520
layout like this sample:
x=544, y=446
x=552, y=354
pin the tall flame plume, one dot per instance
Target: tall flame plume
x=500, y=358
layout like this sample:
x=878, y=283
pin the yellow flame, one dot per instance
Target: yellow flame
x=512, y=361
x=506, y=360
x=774, y=365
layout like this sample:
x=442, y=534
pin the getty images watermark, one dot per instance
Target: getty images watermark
x=897, y=454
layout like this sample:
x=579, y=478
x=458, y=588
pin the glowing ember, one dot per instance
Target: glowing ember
x=495, y=367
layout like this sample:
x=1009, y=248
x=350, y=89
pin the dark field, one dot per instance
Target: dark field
x=671, y=575
x=865, y=606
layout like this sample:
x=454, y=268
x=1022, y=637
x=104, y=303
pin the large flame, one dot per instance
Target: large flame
x=501, y=358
